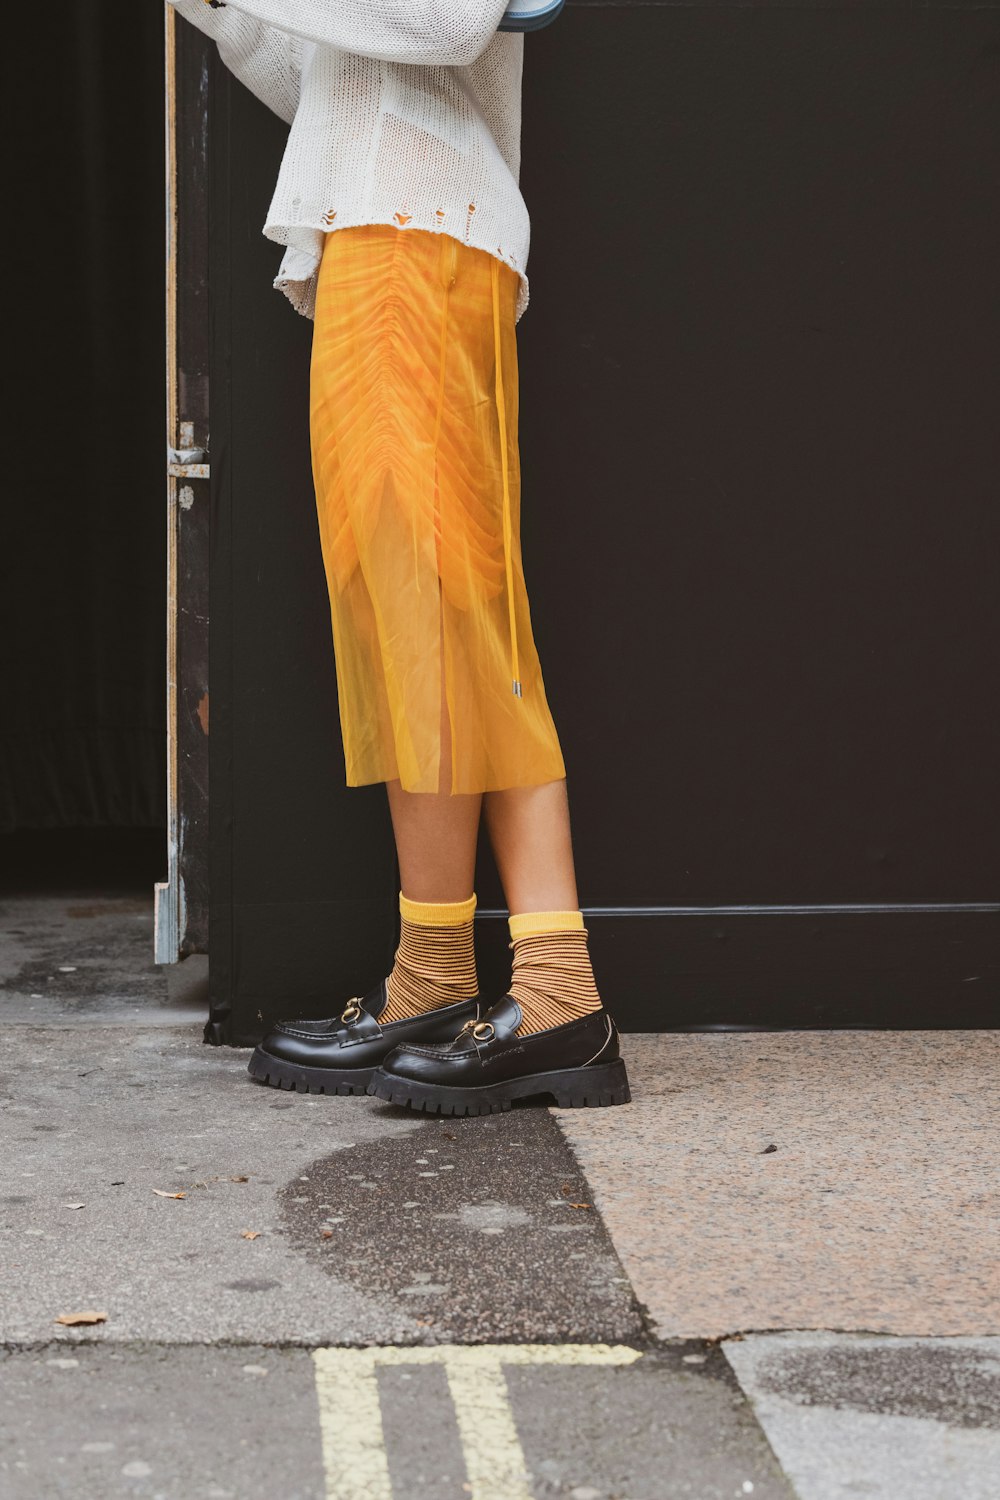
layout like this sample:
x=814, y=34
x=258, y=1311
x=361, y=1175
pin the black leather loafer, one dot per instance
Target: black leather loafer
x=487, y=1066
x=340, y=1055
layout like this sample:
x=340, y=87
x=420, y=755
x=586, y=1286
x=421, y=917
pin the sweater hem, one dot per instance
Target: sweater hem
x=298, y=273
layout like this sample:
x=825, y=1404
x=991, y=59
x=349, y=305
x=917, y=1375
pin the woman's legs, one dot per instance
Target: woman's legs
x=435, y=841
x=528, y=826
x=529, y=833
x=529, y=830
x=436, y=832
x=548, y=1035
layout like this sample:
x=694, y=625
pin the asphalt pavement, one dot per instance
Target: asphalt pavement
x=306, y=1296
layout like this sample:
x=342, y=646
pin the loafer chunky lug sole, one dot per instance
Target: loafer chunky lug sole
x=340, y=1055
x=279, y=1074
x=487, y=1067
x=569, y=1088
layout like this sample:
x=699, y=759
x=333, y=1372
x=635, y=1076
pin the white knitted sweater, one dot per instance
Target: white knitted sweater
x=404, y=112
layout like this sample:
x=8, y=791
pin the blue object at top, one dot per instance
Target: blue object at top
x=530, y=15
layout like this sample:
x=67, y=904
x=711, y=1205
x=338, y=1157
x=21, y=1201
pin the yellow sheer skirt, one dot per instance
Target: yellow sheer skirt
x=413, y=380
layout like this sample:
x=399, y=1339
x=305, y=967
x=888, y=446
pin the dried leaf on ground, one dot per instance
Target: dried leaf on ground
x=579, y=1205
x=251, y=1234
x=239, y=1179
x=161, y=1194
x=326, y=1234
x=72, y=1320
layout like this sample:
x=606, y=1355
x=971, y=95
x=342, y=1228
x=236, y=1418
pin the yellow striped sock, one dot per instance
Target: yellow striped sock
x=552, y=979
x=435, y=962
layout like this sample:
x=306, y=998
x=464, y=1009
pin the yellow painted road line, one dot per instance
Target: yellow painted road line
x=494, y=1459
x=350, y=1424
x=354, y=1456
x=507, y=1354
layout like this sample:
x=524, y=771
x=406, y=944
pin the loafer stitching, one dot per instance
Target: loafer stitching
x=492, y=1052
x=342, y=1037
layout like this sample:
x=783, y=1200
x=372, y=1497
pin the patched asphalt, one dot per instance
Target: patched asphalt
x=482, y=1230
x=852, y=1414
x=955, y=1383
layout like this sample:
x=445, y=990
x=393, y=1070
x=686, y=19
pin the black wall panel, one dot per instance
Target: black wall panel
x=759, y=457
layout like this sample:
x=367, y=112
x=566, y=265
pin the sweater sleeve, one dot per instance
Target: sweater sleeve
x=447, y=33
x=264, y=58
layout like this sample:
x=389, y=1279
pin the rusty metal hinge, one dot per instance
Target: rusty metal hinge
x=187, y=461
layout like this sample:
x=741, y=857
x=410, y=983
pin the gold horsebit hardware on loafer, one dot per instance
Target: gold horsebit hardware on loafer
x=481, y=1031
x=351, y=1011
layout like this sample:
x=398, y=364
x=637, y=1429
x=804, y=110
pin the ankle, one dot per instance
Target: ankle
x=435, y=962
x=552, y=978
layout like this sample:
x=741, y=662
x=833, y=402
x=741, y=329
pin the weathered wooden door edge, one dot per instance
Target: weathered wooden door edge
x=181, y=901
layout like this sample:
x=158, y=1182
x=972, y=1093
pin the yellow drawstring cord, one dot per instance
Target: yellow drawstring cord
x=502, y=415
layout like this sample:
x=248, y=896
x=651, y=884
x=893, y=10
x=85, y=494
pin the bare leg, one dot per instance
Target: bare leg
x=436, y=833
x=529, y=830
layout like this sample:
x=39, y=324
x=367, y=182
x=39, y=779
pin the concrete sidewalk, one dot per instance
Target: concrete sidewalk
x=348, y=1301
x=840, y=1180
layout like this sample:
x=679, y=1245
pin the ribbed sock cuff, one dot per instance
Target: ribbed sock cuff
x=527, y=923
x=438, y=913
